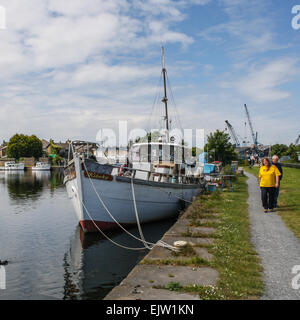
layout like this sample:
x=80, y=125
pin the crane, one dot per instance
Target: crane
x=232, y=133
x=254, y=136
x=297, y=140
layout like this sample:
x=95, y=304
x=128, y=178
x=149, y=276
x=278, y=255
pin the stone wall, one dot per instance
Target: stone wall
x=44, y=160
x=29, y=162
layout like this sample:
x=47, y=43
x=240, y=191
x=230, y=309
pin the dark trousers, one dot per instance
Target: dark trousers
x=267, y=197
x=276, y=194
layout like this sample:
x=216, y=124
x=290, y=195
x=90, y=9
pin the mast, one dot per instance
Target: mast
x=165, y=99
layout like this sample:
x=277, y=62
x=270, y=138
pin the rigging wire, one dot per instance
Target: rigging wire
x=177, y=118
x=154, y=109
x=159, y=243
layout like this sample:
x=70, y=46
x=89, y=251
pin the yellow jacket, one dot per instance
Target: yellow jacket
x=268, y=177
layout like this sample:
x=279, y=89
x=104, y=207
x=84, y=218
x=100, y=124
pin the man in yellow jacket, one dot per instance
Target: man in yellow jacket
x=269, y=181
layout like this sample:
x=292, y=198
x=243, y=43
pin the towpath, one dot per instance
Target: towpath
x=277, y=246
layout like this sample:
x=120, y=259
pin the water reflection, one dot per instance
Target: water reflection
x=93, y=265
x=49, y=256
x=29, y=185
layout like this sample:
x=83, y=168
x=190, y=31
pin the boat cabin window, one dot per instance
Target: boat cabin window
x=159, y=153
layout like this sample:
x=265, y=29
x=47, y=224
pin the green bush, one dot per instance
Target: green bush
x=21, y=146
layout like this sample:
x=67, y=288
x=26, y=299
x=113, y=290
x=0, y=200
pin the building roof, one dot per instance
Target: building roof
x=63, y=145
x=45, y=143
x=239, y=149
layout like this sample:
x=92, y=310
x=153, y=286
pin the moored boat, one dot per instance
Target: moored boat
x=13, y=166
x=153, y=185
x=103, y=199
x=41, y=166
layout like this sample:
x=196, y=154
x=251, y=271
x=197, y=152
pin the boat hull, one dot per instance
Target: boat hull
x=154, y=201
x=17, y=167
x=42, y=167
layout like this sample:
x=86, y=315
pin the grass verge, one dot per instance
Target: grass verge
x=240, y=271
x=235, y=258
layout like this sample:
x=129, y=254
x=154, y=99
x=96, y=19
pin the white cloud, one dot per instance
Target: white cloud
x=200, y=2
x=52, y=34
x=74, y=60
x=69, y=67
x=262, y=82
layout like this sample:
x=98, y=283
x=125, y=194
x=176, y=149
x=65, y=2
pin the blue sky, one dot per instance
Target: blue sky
x=72, y=67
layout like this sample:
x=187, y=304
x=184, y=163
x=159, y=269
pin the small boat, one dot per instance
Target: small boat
x=13, y=166
x=155, y=185
x=41, y=166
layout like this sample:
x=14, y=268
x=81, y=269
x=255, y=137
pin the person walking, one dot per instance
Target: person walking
x=268, y=181
x=275, y=162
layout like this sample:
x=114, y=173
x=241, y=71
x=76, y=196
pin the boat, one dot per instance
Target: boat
x=153, y=185
x=42, y=166
x=13, y=166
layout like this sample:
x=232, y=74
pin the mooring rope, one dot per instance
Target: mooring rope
x=159, y=243
x=137, y=217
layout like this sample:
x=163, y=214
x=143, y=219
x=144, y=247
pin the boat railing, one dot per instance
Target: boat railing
x=160, y=176
x=125, y=171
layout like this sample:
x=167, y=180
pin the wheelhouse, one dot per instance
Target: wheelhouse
x=159, y=152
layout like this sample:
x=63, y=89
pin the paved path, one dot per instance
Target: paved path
x=277, y=246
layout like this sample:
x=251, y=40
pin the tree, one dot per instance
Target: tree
x=35, y=147
x=21, y=145
x=196, y=151
x=292, y=151
x=152, y=136
x=56, y=151
x=279, y=149
x=219, y=147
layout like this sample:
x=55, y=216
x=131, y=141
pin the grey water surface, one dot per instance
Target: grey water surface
x=48, y=255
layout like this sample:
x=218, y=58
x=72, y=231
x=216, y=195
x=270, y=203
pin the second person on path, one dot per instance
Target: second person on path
x=269, y=181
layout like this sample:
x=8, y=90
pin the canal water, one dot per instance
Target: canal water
x=48, y=255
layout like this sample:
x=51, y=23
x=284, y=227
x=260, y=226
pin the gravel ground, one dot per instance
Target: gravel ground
x=277, y=246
